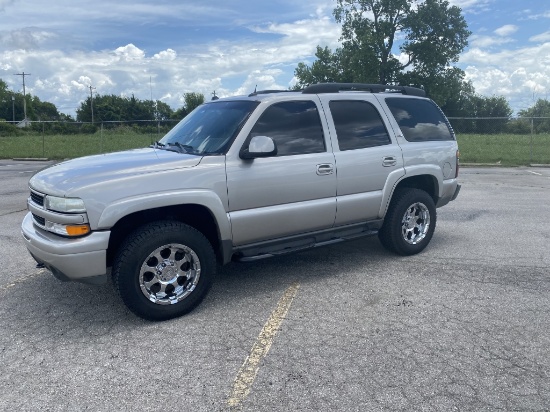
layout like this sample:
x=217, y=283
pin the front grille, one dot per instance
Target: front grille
x=38, y=219
x=37, y=199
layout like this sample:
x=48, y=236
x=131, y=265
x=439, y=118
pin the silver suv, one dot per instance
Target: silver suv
x=246, y=178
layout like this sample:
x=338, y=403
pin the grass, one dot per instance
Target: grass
x=70, y=146
x=505, y=149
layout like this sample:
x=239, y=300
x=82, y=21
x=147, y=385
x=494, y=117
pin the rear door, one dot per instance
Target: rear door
x=365, y=153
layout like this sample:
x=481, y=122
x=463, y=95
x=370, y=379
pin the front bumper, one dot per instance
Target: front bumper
x=82, y=259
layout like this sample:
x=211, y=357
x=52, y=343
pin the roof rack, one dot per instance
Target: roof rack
x=320, y=88
x=255, y=93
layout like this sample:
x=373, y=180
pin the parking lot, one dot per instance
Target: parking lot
x=464, y=326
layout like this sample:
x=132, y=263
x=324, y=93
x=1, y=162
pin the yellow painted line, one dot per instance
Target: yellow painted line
x=21, y=280
x=247, y=374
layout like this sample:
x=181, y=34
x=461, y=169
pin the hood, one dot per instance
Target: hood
x=63, y=177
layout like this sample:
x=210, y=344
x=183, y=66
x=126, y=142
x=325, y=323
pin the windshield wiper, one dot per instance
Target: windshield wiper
x=183, y=148
x=157, y=145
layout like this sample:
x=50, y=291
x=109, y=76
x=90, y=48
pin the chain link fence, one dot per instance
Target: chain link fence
x=506, y=141
x=60, y=140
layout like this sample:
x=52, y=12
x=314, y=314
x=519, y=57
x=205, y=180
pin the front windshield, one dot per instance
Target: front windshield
x=210, y=128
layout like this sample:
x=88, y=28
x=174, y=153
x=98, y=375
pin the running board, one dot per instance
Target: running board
x=280, y=249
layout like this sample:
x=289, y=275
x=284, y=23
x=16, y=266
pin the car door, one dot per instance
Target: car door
x=365, y=155
x=291, y=192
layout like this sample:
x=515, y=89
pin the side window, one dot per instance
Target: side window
x=420, y=120
x=358, y=125
x=294, y=126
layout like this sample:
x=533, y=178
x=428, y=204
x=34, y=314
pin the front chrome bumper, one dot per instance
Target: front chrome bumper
x=83, y=259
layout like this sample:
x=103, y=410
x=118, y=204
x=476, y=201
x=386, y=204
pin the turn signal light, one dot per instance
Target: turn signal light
x=77, y=230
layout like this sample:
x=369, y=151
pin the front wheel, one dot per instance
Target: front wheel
x=410, y=222
x=164, y=270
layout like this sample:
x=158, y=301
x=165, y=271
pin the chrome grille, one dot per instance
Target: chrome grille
x=37, y=198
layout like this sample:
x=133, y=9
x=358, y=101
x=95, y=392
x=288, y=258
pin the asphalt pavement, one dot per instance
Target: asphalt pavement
x=464, y=326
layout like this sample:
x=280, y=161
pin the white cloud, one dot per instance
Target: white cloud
x=229, y=67
x=543, y=15
x=481, y=41
x=471, y=5
x=515, y=74
x=168, y=54
x=130, y=52
x=27, y=38
x=543, y=37
x=506, y=30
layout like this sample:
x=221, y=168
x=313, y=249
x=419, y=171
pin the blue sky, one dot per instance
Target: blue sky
x=173, y=47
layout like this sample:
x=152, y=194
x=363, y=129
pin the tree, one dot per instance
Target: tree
x=435, y=34
x=493, y=114
x=192, y=101
x=112, y=108
x=538, y=115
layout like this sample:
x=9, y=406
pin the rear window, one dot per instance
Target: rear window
x=420, y=120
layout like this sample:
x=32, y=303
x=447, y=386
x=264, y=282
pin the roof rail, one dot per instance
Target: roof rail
x=320, y=88
x=255, y=93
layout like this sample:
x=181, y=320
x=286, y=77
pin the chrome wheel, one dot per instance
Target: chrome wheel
x=169, y=274
x=415, y=223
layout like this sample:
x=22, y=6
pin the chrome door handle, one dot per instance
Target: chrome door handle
x=389, y=161
x=325, y=169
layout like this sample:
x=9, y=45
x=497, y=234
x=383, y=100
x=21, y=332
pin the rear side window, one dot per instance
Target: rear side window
x=420, y=120
x=295, y=126
x=358, y=125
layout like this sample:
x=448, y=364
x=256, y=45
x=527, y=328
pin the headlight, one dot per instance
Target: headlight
x=64, y=204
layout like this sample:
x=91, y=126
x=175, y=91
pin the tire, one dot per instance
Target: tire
x=410, y=222
x=164, y=270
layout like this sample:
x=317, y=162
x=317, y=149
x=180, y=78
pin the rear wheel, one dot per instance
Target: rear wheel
x=164, y=270
x=410, y=222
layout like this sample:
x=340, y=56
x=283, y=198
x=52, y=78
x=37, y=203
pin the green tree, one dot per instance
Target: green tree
x=492, y=113
x=435, y=34
x=112, y=108
x=538, y=115
x=192, y=101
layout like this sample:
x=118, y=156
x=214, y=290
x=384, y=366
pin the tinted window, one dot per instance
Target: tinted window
x=358, y=125
x=419, y=120
x=294, y=126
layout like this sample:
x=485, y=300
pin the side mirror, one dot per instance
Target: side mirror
x=259, y=146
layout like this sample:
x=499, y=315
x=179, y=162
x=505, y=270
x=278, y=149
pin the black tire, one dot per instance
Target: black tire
x=409, y=223
x=164, y=270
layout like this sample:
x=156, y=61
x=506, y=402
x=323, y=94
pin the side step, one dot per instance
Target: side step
x=291, y=247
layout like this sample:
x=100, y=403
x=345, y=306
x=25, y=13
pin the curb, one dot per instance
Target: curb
x=500, y=165
x=30, y=159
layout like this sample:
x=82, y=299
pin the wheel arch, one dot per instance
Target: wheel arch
x=426, y=181
x=195, y=215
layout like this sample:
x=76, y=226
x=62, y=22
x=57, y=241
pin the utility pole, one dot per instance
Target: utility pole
x=23, y=74
x=92, y=101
